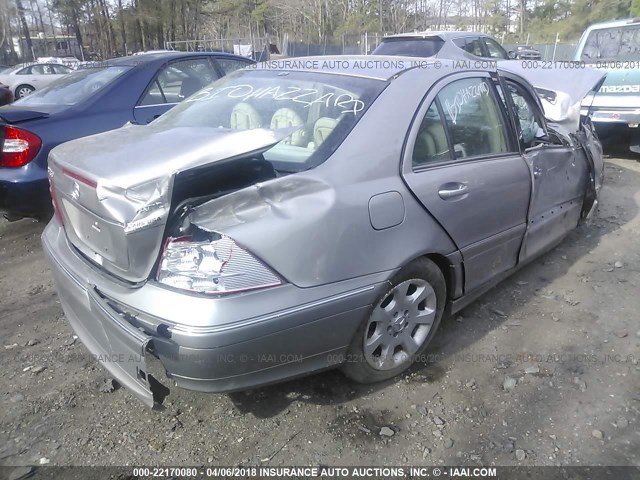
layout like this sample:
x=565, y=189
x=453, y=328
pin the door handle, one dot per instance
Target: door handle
x=452, y=190
x=537, y=172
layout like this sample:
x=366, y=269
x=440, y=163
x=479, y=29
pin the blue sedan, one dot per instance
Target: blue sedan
x=101, y=97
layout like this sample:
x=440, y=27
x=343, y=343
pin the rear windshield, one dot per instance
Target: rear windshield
x=617, y=43
x=324, y=107
x=74, y=87
x=411, y=47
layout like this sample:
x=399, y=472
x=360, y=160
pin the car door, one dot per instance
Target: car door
x=32, y=75
x=51, y=72
x=558, y=173
x=462, y=163
x=173, y=83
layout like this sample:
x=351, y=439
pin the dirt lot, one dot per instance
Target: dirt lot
x=542, y=370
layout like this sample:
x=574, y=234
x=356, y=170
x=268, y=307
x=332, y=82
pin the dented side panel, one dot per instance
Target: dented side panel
x=314, y=228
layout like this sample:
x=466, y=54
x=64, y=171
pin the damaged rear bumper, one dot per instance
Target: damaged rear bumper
x=226, y=343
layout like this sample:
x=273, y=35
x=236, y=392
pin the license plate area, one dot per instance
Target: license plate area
x=93, y=235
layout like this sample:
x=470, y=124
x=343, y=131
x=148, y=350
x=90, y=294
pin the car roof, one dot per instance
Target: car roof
x=378, y=67
x=614, y=23
x=151, y=57
x=20, y=66
x=444, y=35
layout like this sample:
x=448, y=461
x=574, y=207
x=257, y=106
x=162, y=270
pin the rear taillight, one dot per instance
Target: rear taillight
x=19, y=147
x=213, y=264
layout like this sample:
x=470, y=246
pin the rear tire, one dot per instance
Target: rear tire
x=400, y=326
x=24, y=90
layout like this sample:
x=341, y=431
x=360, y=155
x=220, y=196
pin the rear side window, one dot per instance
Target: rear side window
x=495, y=49
x=179, y=80
x=473, y=118
x=412, y=47
x=472, y=45
x=431, y=143
x=229, y=65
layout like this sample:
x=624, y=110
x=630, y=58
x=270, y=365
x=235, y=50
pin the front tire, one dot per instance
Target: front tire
x=400, y=326
x=24, y=90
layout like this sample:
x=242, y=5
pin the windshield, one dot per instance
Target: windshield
x=319, y=109
x=618, y=43
x=411, y=47
x=75, y=87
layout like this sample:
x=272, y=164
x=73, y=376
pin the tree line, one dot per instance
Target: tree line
x=107, y=28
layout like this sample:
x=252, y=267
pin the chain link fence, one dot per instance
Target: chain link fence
x=550, y=51
x=263, y=48
x=258, y=48
x=359, y=44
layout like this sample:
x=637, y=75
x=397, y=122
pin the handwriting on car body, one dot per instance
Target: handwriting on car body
x=462, y=97
x=304, y=96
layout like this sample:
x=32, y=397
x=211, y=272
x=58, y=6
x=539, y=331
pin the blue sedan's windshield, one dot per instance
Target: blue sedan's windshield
x=75, y=87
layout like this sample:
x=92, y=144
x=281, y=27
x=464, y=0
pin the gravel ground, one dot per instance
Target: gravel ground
x=542, y=370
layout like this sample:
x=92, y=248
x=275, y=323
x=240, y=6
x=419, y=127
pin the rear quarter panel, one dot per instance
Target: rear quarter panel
x=324, y=234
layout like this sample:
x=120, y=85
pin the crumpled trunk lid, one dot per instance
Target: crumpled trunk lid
x=114, y=190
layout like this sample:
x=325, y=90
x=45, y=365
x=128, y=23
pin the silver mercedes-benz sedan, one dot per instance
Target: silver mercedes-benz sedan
x=312, y=213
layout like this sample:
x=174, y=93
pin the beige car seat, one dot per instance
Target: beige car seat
x=440, y=144
x=285, y=118
x=245, y=117
x=431, y=144
x=323, y=128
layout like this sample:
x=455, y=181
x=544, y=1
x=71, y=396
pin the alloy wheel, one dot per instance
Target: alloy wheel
x=400, y=324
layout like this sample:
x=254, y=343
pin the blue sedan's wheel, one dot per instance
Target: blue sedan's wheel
x=400, y=325
x=24, y=90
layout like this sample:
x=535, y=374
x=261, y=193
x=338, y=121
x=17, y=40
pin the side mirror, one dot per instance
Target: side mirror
x=512, y=55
